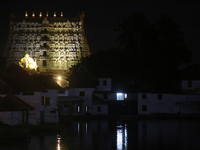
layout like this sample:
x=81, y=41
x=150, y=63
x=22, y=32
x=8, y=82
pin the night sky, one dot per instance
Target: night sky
x=102, y=17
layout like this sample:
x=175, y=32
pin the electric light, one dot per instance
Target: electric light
x=28, y=62
x=33, y=14
x=61, y=14
x=59, y=78
x=40, y=14
x=26, y=14
x=47, y=14
x=54, y=14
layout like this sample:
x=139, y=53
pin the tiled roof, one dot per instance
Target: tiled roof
x=191, y=73
x=97, y=101
x=21, y=83
x=82, y=80
x=47, y=81
x=13, y=103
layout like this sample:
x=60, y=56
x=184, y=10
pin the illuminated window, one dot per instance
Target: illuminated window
x=99, y=109
x=121, y=96
x=86, y=109
x=45, y=101
x=82, y=93
x=78, y=109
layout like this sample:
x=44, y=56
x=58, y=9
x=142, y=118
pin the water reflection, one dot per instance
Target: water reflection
x=58, y=141
x=122, y=137
x=112, y=135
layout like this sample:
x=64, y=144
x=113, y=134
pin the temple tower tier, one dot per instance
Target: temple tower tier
x=55, y=42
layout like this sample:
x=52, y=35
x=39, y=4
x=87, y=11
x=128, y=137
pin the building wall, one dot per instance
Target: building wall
x=191, y=86
x=103, y=110
x=50, y=111
x=104, y=84
x=168, y=104
x=35, y=102
x=113, y=96
x=87, y=94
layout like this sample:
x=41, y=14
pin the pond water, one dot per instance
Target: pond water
x=115, y=135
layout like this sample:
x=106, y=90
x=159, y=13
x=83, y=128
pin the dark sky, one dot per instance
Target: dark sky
x=102, y=17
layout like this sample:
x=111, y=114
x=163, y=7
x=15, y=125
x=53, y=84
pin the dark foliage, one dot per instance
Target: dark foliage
x=149, y=54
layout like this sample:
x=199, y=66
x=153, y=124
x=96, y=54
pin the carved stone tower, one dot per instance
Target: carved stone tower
x=55, y=43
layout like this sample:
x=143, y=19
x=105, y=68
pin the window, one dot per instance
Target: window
x=86, y=109
x=104, y=82
x=99, y=109
x=44, y=63
x=82, y=93
x=44, y=53
x=78, y=109
x=105, y=96
x=159, y=96
x=45, y=101
x=189, y=83
x=121, y=96
x=144, y=107
x=28, y=93
x=144, y=96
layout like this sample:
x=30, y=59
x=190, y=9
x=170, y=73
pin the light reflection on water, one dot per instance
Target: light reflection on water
x=112, y=135
x=121, y=137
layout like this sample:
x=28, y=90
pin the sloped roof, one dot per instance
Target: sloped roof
x=191, y=73
x=47, y=81
x=15, y=69
x=82, y=79
x=19, y=80
x=22, y=83
x=13, y=103
x=97, y=101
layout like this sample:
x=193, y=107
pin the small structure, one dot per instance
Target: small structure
x=38, y=91
x=11, y=106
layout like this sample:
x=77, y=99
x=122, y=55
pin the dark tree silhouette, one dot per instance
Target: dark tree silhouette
x=132, y=31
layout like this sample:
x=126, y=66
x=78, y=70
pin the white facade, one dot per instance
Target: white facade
x=191, y=86
x=104, y=84
x=157, y=103
x=41, y=113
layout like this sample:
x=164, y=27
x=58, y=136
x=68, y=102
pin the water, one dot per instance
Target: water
x=115, y=135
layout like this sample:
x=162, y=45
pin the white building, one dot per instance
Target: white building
x=38, y=91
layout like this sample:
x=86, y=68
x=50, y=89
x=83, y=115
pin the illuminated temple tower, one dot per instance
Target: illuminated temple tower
x=55, y=43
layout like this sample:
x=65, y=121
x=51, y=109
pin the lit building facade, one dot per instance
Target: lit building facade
x=56, y=43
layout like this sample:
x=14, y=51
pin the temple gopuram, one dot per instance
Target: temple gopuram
x=55, y=42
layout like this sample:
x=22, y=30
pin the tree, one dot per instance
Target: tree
x=132, y=31
x=161, y=49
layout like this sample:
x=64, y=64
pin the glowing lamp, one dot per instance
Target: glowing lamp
x=47, y=14
x=61, y=14
x=33, y=14
x=40, y=14
x=54, y=14
x=59, y=78
x=26, y=14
